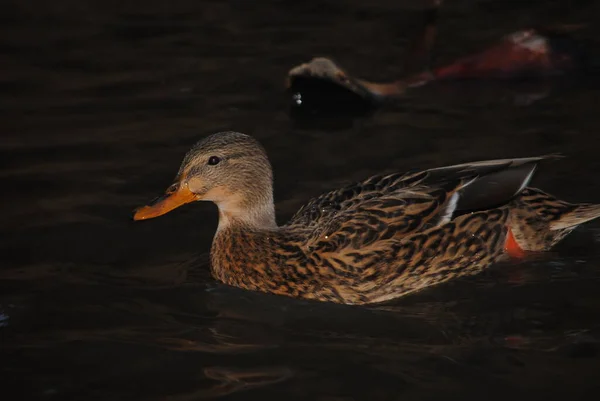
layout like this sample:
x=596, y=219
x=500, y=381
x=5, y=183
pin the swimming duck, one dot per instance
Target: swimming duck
x=371, y=241
x=532, y=52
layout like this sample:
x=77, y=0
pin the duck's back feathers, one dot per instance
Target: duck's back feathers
x=386, y=206
x=393, y=206
x=392, y=216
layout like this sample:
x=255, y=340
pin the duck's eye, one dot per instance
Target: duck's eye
x=214, y=160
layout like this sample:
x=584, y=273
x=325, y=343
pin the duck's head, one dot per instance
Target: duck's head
x=228, y=168
x=325, y=69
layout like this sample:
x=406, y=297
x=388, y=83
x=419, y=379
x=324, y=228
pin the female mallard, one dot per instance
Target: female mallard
x=371, y=241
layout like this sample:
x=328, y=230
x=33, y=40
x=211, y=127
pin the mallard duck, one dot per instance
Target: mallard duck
x=371, y=241
x=529, y=52
x=416, y=61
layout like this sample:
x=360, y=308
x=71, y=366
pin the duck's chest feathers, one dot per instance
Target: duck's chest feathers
x=268, y=263
x=247, y=259
x=232, y=253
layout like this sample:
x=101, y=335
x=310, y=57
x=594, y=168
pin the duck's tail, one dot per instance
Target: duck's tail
x=539, y=220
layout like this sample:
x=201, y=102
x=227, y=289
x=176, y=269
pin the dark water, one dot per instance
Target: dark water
x=100, y=101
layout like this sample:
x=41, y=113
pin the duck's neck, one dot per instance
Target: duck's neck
x=384, y=90
x=252, y=215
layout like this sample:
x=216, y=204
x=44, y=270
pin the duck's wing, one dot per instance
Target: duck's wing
x=406, y=211
x=321, y=209
x=395, y=205
x=495, y=181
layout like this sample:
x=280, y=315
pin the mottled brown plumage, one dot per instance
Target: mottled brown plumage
x=371, y=241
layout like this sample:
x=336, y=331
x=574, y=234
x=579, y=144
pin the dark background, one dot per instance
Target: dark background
x=99, y=102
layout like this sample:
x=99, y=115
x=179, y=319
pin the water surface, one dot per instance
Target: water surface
x=101, y=100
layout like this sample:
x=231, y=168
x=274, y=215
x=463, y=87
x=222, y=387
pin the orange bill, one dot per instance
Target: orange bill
x=171, y=200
